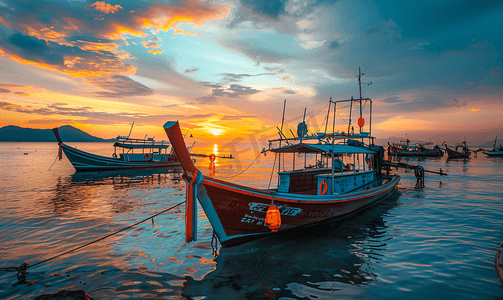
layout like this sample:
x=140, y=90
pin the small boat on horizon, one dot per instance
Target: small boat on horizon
x=404, y=149
x=461, y=151
x=495, y=152
x=132, y=154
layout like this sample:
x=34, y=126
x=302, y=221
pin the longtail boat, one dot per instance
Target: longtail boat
x=132, y=154
x=419, y=150
x=335, y=187
x=495, y=152
x=461, y=151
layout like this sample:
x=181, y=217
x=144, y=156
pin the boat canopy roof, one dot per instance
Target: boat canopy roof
x=141, y=146
x=322, y=148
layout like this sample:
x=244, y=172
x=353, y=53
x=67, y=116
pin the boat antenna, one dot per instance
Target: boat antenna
x=328, y=114
x=281, y=137
x=350, y=111
x=283, y=119
x=303, y=122
x=130, y=130
x=360, y=75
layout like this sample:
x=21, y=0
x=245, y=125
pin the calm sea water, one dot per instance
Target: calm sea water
x=438, y=242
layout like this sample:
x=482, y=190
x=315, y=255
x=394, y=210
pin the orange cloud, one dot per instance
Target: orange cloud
x=165, y=16
x=476, y=109
x=150, y=44
x=116, y=31
x=184, y=32
x=105, y=7
x=286, y=78
x=156, y=51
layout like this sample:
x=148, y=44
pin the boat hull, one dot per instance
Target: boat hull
x=493, y=153
x=455, y=154
x=237, y=213
x=84, y=161
x=395, y=151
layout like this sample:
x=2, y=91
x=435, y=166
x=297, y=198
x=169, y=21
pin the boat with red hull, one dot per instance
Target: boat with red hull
x=237, y=213
x=329, y=190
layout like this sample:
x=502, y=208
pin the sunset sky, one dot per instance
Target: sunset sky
x=224, y=68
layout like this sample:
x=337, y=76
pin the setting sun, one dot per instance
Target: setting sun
x=215, y=131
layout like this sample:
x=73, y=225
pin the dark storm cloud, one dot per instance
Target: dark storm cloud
x=334, y=45
x=31, y=48
x=261, y=13
x=431, y=16
x=270, y=8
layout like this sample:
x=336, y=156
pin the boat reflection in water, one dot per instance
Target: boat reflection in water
x=96, y=192
x=132, y=177
x=316, y=263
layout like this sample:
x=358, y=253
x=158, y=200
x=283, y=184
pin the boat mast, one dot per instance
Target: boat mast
x=280, y=136
x=360, y=86
x=328, y=114
x=130, y=130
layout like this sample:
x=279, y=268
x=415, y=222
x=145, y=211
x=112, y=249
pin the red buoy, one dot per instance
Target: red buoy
x=273, y=218
x=361, y=122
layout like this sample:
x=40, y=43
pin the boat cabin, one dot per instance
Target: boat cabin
x=141, y=150
x=338, y=169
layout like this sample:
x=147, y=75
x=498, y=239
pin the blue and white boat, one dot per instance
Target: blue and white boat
x=129, y=154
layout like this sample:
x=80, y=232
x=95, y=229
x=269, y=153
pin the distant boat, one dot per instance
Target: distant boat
x=404, y=149
x=495, y=152
x=461, y=151
x=132, y=154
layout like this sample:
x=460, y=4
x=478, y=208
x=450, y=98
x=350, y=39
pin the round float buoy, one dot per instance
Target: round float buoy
x=273, y=218
x=212, y=157
x=361, y=122
x=323, y=187
x=147, y=156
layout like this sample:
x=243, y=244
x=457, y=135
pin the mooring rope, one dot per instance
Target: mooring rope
x=22, y=269
x=244, y=169
x=54, y=161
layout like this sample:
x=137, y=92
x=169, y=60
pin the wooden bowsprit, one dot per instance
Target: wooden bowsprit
x=418, y=171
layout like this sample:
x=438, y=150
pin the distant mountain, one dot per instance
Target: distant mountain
x=68, y=133
x=490, y=144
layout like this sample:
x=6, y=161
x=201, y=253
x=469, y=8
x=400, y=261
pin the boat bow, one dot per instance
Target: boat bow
x=174, y=133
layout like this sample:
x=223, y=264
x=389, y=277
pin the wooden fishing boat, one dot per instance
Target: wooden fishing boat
x=418, y=150
x=129, y=154
x=461, y=151
x=306, y=195
x=495, y=152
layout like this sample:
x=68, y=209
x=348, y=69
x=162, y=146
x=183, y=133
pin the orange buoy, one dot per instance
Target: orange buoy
x=212, y=157
x=361, y=122
x=147, y=156
x=323, y=187
x=273, y=218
